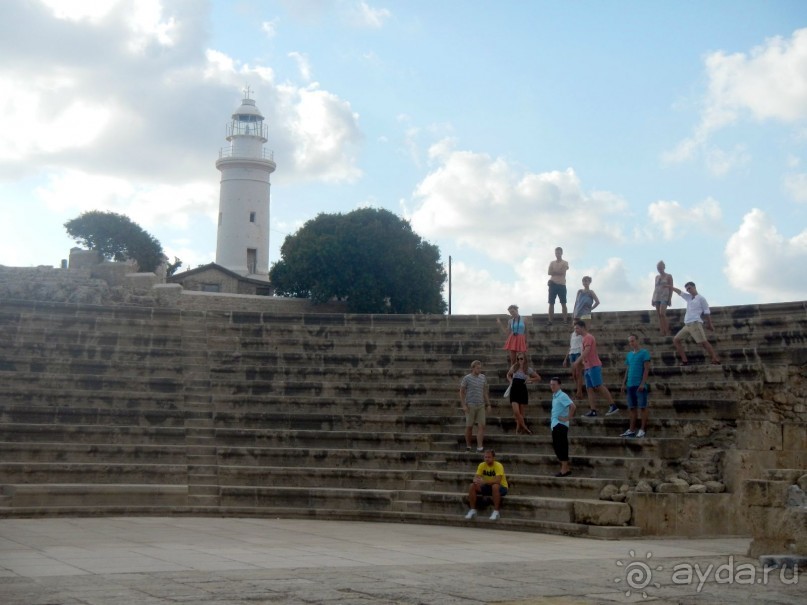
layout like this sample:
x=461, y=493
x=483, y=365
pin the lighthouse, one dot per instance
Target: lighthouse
x=242, y=242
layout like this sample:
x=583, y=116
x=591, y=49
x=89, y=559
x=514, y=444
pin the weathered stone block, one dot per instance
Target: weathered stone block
x=794, y=436
x=760, y=492
x=601, y=513
x=715, y=487
x=697, y=489
x=759, y=435
x=672, y=488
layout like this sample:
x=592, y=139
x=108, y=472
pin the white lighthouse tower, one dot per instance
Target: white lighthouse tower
x=242, y=244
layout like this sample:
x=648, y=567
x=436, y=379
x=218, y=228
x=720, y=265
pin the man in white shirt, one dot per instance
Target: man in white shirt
x=697, y=312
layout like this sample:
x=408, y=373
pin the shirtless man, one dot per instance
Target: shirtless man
x=557, y=284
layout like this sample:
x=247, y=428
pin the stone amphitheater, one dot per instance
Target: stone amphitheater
x=145, y=405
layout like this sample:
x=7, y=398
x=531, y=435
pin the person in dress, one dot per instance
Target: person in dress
x=516, y=331
x=585, y=302
x=519, y=375
x=662, y=297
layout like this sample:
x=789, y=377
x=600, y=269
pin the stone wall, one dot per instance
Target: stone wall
x=89, y=281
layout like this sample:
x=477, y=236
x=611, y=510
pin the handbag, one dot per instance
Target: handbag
x=507, y=391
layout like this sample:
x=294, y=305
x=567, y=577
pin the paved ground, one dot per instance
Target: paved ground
x=213, y=561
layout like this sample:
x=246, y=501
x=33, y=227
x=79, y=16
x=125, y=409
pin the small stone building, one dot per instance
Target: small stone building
x=215, y=278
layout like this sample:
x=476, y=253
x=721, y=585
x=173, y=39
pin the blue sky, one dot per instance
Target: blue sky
x=626, y=132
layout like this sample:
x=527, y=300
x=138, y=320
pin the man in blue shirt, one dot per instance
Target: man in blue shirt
x=562, y=412
x=638, y=362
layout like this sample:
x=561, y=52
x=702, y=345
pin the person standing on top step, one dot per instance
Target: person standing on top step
x=593, y=371
x=662, y=297
x=563, y=409
x=519, y=375
x=585, y=301
x=697, y=311
x=474, y=398
x=575, y=349
x=557, y=284
x=516, y=333
x=638, y=368
x=489, y=481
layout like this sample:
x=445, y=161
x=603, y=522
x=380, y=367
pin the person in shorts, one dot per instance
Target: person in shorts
x=474, y=398
x=638, y=367
x=557, y=284
x=696, y=314
x=489, y=481
x=593, y=371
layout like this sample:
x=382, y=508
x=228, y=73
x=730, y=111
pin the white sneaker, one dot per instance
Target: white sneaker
x=494, y=515
x=628, y=433
x=470, y=514
x=480, y=449
x=640, y=434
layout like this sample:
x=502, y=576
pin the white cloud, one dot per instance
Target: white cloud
x=303, y=64
x=489, y=205
x=362, y=14
x=674, y=220
x=762, y=261
x=768, y=83
x=269, y=28
x=78, y=10
x=150, y=206
x=721, y=162
x=68, y=107
x=796, y=186
x=325, y=133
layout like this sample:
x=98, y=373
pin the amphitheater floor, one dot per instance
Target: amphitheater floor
x=219, y=561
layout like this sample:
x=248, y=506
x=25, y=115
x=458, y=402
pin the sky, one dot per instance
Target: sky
x=624, y=131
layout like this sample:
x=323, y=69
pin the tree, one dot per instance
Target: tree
x=116, y=237
x=369, y=258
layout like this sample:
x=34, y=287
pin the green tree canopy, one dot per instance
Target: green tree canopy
x=369, y=258
x=116, y=237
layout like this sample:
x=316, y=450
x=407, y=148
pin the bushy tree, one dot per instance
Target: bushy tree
x=116, y=237
x=369, y=258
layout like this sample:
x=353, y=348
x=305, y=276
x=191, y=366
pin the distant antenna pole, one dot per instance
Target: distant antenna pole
x=449, y=284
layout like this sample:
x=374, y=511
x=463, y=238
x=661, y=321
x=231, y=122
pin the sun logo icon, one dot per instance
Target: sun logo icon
x=638, y=574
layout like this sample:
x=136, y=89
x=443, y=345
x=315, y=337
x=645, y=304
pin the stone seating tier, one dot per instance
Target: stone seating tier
x=108, y=410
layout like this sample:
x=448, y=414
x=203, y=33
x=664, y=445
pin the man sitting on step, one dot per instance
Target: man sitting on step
x=489, y=481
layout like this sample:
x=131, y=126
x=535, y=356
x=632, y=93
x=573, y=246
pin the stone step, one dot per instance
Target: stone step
x=413, y=481
x=663, y=448
x=95, y=452
x=83, y=433
x=45, y=496
x=91, y=472
x=134, y=416
x=611, y=467
x=559, y=510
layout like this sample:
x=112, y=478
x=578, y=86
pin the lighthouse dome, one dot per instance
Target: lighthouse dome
x=248, y=111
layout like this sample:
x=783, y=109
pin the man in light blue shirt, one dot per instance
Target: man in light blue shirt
x=562, y=412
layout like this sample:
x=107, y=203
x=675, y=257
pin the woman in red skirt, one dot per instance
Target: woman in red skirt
x=516, y=331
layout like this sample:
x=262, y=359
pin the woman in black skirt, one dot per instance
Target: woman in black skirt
x=519, y=375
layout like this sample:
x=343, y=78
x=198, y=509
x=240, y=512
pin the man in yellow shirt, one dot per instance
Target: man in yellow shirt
x=489, y=481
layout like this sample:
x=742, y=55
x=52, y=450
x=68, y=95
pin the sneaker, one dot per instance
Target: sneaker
x=480, y=449
x=470, y=514
x=494, y=515
x=590, y=414
x=640, y=434
x=612, y=410
x=629, y=433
